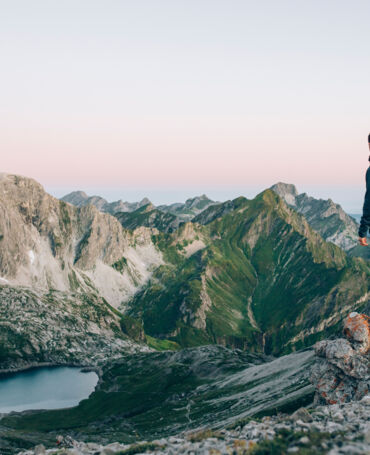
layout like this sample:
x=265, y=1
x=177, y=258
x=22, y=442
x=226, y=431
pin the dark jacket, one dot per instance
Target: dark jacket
x=365, y=219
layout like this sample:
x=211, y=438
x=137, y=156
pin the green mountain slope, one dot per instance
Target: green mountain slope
x=148, y=216
x=257, y=278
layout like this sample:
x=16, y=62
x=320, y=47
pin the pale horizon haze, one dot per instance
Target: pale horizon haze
x=173, y=98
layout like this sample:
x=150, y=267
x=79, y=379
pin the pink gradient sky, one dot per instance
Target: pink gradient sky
x=182, y=94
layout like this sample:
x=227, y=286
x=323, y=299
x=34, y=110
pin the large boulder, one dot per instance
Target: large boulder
x=341, y=372
x=357, y=331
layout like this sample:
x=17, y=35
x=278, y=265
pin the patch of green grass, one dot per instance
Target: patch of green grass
x=162, y=345
x=132, y=328
x=120, y=265
x=73, y=281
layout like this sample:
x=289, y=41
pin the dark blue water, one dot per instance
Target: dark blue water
x=45, y=388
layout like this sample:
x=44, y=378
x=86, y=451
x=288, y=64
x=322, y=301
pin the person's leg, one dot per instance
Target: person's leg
x=364, y=223
x=364, y=226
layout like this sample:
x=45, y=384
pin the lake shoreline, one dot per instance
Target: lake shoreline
x=6, y=372
x=78, y=382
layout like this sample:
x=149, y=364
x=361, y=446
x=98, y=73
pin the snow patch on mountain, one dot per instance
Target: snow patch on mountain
x=31, y=255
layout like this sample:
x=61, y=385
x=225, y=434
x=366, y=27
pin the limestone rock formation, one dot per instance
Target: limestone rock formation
x=341, y=373
x=49, y=244
x=57, y=328
x=62, y=270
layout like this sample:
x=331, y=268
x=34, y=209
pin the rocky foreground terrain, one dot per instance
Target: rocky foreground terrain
x=341, y=377
x=335, y=430
x=58, y=328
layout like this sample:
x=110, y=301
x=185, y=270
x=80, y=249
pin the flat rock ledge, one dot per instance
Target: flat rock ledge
x=337, y=429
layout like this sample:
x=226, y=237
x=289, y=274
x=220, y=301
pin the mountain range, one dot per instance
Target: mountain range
x=326, y=217
x=80, y=286
x=253, y=274
x=81, y=199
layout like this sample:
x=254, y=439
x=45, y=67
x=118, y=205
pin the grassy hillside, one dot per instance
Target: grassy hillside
x=148, y=216
x=256, y=278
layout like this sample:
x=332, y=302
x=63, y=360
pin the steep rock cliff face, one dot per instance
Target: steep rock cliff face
x=49, y=244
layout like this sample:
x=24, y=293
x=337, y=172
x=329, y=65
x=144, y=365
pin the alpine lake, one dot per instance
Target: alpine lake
x=45, y=388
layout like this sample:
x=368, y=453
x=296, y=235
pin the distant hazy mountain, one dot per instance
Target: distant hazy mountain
x=326, y=217
x=188, y=210
x=81, y=199
x=131, y=215
x=356, y=216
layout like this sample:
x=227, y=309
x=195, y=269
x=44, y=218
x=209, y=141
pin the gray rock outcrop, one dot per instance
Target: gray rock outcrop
x=335, y=430
x=341, y=373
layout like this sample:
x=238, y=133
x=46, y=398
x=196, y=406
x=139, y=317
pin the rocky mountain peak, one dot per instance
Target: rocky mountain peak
x=75, y=197
x=18, y=182
x=145, y=201
x=286, y=191
x=194, y=200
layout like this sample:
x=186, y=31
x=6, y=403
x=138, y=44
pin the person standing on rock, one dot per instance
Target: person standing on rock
x=365, y=219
